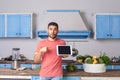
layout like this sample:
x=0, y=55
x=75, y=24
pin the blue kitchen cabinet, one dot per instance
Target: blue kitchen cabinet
x=102, y=26
x=2, y=25
x=26, y=65
x=19, y=25
x=37, y=65
x=64, y=66
x=107, y=26
x=35, y=78
x=71, y=78
x=31, y=66
x=116, y=67
x=79, y=66
x=64, y=78
x=5, y=65
x=109, y=67
x=115, y=26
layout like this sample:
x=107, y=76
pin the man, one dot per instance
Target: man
x=51, y=63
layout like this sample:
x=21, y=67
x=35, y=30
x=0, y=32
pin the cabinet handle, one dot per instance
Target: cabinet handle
x=19, y=33
x=5, y=65
x=108, y=34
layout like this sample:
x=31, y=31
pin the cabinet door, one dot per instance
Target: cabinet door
x=94, y=78
x=2, y=25
x=13, y=25
x=5, y=65
x=64, y=78
x=25, y=25
x=19, y=25
x=80, y=66
x=115, y=26
x=64, y=66
x=116, y=67
x=102, y=26
x=35, y=78
x=26, y=65
x=71, y=78
x=109, y=67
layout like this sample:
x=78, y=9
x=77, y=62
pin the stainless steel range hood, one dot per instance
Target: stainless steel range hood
x=70, y=23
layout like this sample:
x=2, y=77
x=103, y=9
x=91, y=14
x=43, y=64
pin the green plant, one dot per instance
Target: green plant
x=88, y=59
x=105, y=58
x=71, y=67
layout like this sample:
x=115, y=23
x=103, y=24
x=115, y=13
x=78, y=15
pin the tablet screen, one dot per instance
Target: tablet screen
x=64, y=49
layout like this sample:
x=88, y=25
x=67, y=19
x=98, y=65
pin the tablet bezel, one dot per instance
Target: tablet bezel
x=64, y=46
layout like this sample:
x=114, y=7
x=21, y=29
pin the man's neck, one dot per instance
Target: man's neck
x=51, y=39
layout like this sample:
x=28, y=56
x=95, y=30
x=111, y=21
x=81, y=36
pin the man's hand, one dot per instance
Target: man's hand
x=64, y=56
x=43, y=49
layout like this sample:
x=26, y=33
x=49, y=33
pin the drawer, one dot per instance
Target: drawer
x=5, y=65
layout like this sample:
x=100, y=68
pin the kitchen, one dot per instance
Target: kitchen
x=39, y=9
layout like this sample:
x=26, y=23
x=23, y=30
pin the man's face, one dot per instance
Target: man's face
x=52, y=31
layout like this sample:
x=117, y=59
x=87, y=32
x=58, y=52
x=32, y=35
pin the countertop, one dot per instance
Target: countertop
x=63, y=61
x=81, y=73
x=32, y=62
x=35, y=72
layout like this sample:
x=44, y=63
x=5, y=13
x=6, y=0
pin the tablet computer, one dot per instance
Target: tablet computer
x=64, y=49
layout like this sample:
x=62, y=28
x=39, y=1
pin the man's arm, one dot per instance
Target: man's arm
x=38, y=55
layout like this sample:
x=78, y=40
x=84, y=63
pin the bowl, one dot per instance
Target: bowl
x=94, y=68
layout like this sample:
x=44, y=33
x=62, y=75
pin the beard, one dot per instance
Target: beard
x=53, y=36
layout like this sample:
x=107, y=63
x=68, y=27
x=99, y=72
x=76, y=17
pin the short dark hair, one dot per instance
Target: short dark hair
x=53, y=23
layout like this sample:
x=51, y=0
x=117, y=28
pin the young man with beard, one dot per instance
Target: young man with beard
x=51, y=63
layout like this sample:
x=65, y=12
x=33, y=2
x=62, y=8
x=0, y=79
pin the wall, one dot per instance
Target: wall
x=87, y=7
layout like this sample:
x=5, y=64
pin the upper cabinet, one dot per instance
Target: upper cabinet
x=16, y=25
x=2, y=25
x=107, y=26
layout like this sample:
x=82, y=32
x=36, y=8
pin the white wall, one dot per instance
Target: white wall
x=87, y=8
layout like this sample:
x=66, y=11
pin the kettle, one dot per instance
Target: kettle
x=74, y=52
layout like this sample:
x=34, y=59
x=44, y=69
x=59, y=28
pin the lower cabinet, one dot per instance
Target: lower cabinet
x=109, y=67
x=35, y=78
x=100, y=78
x=5, y=65
x=71, y=78
x=79, y=66
x=64, y=78
x=116, y=67
x=26, y=65
x=31, y=66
